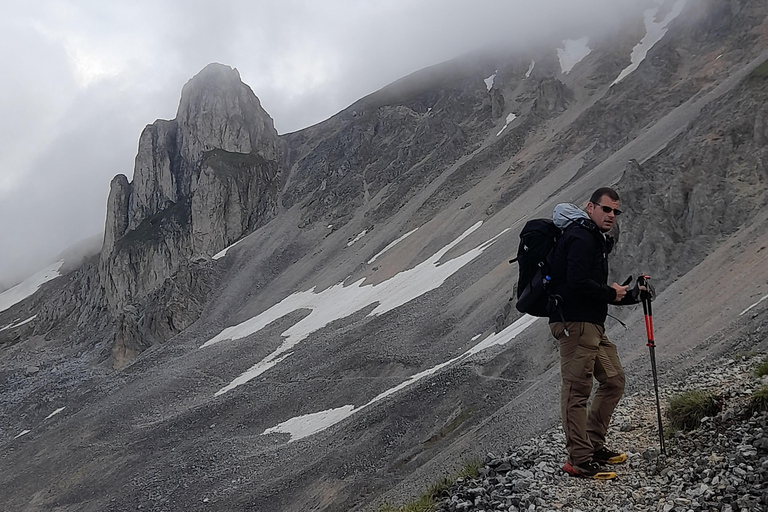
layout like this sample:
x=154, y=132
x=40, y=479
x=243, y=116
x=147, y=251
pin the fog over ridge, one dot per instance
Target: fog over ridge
x=84, y=78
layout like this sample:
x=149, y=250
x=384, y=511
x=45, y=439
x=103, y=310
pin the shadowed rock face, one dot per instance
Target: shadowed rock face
x=553, y=97
x=201, y=181
x=682, y=138
x=701, y=188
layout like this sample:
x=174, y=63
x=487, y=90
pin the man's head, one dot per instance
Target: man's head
x=603, y=208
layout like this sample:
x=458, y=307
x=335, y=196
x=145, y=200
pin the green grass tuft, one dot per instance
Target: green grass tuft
x=423, y=504
x=686, y=410
x=758, y=402
x=744, y=355
x=471, y=469
x=427, y=502
x=762, y=368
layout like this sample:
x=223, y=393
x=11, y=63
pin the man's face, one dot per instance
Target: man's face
x=603, y=220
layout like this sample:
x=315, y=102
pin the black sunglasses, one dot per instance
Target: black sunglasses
x=608, y=209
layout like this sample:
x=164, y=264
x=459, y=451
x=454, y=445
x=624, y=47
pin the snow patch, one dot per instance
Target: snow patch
x=54, y=413
x=308, y=424
x=22, y=433
x=654, y=32
x=13, y=326
x=753, y=305
x=505, y=336
x=29, y=286
x=223, y=252
x=510, y=118
x=573, y=52
x=340, y=301
x=388, y=247
x=530, y=69
x=489, y=81
x=357, y=238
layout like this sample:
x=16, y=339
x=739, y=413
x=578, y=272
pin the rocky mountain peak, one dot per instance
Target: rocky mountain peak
x=218, y=111
x=200, y=182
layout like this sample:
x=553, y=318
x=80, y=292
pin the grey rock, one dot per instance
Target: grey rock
x=651, y=454
x=553, y=96
x=497, y=102
x=201, y=182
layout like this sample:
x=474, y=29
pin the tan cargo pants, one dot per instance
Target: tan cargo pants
x=584, y=354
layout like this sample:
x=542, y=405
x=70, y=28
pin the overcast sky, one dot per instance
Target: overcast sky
x=82, y=78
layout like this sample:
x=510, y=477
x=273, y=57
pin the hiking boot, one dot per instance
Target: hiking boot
x=606, y=456
x=589, y=470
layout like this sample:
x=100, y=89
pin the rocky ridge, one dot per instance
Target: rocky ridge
x=201, y=181
x=218, y=171
x=720, y=466
x=701, y=187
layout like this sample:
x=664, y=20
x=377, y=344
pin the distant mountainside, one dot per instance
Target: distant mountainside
x=319, y=320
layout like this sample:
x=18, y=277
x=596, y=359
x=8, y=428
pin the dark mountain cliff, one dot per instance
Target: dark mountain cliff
x=338, y=313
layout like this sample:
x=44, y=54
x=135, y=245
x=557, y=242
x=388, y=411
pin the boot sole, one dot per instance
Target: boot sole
x=602, y=475
x=613, y=460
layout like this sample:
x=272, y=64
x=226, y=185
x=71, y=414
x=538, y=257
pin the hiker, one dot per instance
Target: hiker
x=579, y=271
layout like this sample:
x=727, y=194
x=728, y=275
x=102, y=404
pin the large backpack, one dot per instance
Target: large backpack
x=537, y=240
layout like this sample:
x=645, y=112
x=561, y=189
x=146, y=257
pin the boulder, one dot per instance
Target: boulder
x=553, y=96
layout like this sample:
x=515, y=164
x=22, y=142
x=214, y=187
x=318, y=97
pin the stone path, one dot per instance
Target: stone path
x=722, y=465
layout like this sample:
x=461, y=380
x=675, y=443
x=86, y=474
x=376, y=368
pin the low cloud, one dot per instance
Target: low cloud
x=83, y=78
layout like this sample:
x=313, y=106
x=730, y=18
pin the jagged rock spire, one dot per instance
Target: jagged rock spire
x=217, y=110
x=201, y=181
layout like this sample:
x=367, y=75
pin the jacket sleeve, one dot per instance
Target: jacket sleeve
x=580, y=252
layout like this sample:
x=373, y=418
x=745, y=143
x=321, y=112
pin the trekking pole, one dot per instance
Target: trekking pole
x=645, y=297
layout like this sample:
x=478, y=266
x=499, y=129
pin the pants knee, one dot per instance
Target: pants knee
x=615, y=383
x=577, y=391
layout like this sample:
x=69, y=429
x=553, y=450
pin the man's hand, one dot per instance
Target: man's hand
x=621, y=291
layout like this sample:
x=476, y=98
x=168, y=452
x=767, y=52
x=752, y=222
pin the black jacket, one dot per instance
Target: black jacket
x=579, y=270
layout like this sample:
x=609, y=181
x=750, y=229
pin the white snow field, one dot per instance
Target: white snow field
x=357, y=238
x=530, y=68
x=340, y=301
x=54, y=413
x=19, y=324
x=224, y=251
x=308, y=424
x=574, y=52
x=22, y=433
x=510, y=118
x=29, y=286
x=489, y=81
x=654, y=32
x=753, y=305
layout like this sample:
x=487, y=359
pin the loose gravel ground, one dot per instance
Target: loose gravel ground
x=720, y=466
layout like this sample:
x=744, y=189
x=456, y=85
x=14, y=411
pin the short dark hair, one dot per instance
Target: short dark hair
x=603, y=191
